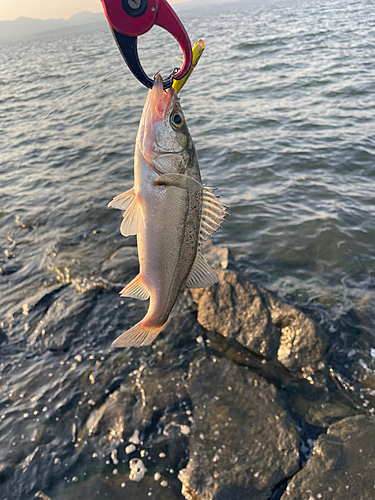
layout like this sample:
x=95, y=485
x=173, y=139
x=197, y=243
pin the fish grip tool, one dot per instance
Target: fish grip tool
x=129, y=19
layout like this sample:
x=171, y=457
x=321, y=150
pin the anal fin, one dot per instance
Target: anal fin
x=136, y=289
x=201, y=274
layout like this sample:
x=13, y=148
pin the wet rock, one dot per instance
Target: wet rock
x=3, y=336
x=217, y=257
x=40, y=494
x=303, y=346
x=112, y=421
x=161, y=383
x=121, y=267
x=342, y=465
x=252, y=316
x=118, y=487
x=242, y=442
x=9, y=269
x=63, y=320
x=365, y=312
x=182, y=324
x=150, y=399
x=235, y=309
x=271, y=369
x=327, y=409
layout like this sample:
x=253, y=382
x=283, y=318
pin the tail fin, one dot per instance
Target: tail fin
x=138, y=336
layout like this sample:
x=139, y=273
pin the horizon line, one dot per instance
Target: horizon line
x=172, y=2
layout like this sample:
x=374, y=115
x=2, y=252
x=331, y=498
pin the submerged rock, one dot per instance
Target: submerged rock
x=242, y=442
x=3, y=337
x=342, y=465
x=100, y=410
x=235, y=309
x=63, y=320
x=121, y=267
x=117, y=487
x=252, y=316
x=303, y=346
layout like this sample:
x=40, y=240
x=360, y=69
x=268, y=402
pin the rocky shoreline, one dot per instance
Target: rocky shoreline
x=234, y=401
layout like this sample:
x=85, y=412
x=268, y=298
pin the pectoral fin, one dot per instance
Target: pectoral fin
x=201, y=274
x=133, y=222
x=136, y=289
x=133, y=216
x=178, y=180
x=123, y=201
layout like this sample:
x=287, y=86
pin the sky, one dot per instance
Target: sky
x=47, y=9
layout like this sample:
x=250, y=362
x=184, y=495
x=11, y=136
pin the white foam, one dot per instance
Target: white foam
x=137, y=469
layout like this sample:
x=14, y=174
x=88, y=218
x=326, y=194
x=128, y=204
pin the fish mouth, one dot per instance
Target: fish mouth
x=160, y=99
x=159, y=105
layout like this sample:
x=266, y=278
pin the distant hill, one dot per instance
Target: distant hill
x=25, y=27
x=219, y=5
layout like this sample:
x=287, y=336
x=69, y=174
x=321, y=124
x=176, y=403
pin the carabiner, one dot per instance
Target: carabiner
x=129, y=19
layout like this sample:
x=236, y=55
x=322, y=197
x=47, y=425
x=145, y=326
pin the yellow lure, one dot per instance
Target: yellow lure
x=197, y=52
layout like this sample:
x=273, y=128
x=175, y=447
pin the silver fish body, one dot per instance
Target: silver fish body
x=169, y=210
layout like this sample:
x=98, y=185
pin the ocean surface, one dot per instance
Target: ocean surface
x=282, y=112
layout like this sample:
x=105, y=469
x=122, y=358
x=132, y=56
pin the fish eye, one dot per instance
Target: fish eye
x=177, y=119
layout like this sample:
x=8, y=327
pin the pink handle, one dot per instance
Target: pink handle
x=157, y=12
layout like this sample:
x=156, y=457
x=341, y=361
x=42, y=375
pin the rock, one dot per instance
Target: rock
x=121, y=267
x=3, y=336
x=217, y=257
x=302, y=345
x=365, y=313
x=342, y=465
x=40, y=494
x=112, y=421
x=252, y=316
x=118, y=487
x=10, y=269
x=242, y=441
x=271, y=369
x=182, y=323
x=63, y=320
x=235, y=308
x=329, y=408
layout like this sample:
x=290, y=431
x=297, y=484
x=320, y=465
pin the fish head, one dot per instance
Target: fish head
x=163, y=137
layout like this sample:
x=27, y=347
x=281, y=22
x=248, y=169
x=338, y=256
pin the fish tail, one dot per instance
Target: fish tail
x=139, y=335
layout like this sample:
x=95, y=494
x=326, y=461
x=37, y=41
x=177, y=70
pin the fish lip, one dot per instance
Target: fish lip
x=161, y=101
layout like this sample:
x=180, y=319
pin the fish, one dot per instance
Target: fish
x=170, y=211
